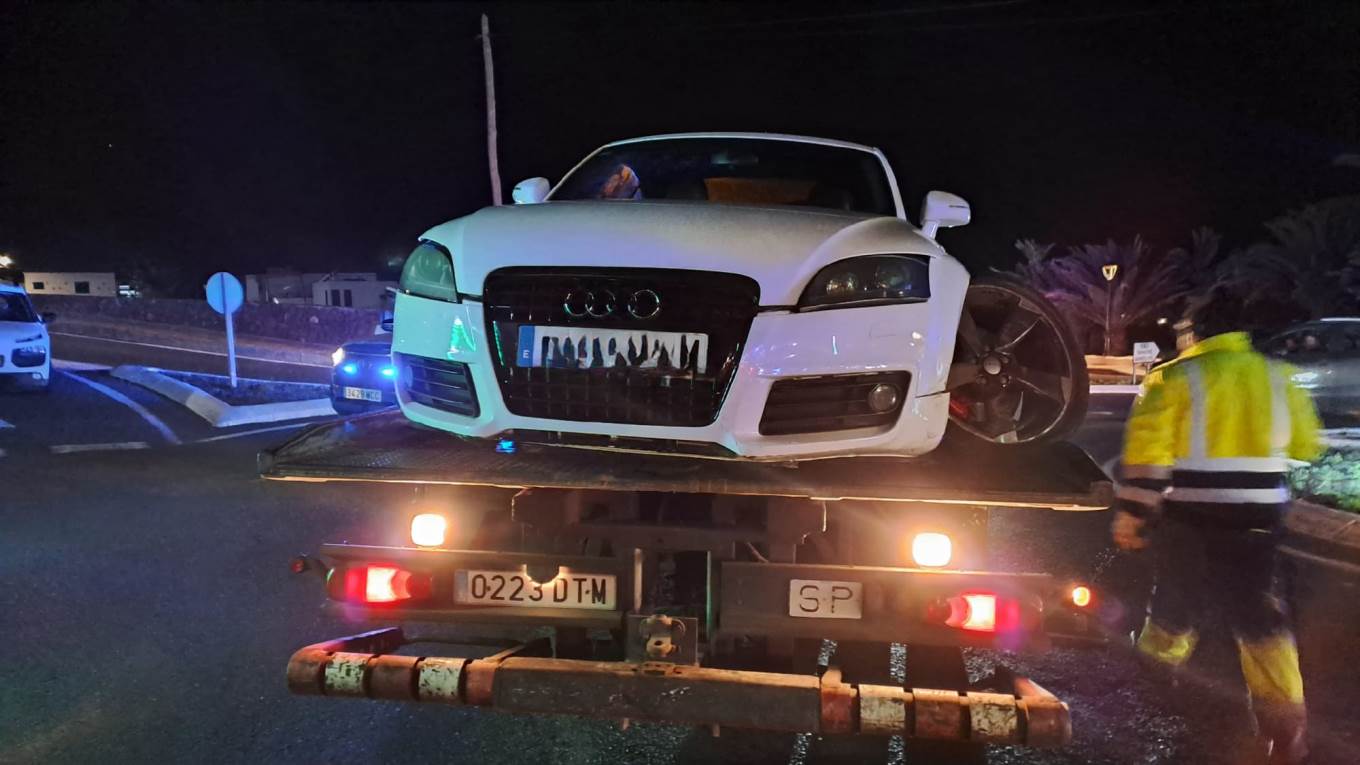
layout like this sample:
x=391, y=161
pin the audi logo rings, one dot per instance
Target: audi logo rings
x=599, y=303
x=596, y=304
x=644, y=304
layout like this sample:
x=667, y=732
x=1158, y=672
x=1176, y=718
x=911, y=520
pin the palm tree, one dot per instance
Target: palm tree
x=1312, y=258
x=1146, y=285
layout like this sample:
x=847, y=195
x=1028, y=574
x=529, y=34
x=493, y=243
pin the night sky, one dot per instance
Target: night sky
x=322, y=136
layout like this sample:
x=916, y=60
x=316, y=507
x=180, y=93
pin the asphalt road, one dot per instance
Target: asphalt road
x=114, y=352
x=149, y=612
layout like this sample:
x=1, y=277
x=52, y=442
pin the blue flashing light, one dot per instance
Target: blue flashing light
x=389, y=371
x=505, y=446
x=350, y=368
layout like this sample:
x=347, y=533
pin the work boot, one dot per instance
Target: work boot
x=1286, y=727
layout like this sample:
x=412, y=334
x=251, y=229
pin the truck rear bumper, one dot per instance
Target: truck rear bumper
x=364, y=666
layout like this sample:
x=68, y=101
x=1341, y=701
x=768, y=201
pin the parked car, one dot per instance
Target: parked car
x=363, y=377
x=1326, y=354
x=745, y=294
x=25, y=347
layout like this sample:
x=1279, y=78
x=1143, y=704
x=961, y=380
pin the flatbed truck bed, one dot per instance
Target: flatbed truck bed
x=385, y=447
x=780, y=568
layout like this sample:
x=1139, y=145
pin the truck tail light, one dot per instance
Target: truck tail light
x=931, y=549
x=384, y=584
x=980, y=612
x=1080, y=596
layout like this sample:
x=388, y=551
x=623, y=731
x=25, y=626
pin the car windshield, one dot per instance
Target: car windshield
x=14, y=306
x=750, y=171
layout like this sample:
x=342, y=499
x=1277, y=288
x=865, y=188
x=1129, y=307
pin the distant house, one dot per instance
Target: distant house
x=342, y=289
x=71, y=283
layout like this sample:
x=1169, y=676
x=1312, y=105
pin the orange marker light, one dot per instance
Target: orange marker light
x=1081, y=596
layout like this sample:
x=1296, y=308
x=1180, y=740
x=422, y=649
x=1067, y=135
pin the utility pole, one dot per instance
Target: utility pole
x=492, y=160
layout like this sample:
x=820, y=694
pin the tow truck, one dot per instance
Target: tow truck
x=687, y=590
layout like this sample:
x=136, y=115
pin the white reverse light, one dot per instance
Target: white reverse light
x=428, y=530
x=932, y=549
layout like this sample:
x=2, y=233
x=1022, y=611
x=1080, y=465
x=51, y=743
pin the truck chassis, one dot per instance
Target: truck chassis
x=716, y=584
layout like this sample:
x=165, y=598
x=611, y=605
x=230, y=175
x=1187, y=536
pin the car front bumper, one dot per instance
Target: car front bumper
x=914, y=338
x=17, y=377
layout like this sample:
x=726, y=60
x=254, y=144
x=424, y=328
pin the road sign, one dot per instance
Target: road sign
x=225, y=296
x=224, y=292
x=1145, y=353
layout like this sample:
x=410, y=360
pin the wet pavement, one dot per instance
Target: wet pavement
x=153, y=612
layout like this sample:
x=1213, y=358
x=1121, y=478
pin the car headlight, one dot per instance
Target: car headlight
x=337, y=356
x=429, y=273
x=869, y=280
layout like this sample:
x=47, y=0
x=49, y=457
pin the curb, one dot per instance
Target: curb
x=1323, y=536
x=217, y=412
x=1131, y=390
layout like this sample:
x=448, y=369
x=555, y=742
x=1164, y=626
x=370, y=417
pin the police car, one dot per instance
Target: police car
x=25, y=348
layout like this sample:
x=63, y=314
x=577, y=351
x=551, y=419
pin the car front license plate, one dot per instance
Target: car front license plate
x=588, y=348
x=515, y=588
x=363, y=394
x=822, y=599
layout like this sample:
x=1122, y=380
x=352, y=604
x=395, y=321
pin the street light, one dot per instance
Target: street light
x=6, y=261
x=1109, y=272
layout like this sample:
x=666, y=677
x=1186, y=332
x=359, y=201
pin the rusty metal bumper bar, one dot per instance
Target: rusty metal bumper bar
x=362, y=666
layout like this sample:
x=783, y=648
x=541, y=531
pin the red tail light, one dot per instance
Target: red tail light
x=983, y=612
x=384, y=584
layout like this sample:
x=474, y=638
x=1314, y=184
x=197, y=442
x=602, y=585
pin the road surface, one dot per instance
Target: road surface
x=111, y=353
x=149, y=613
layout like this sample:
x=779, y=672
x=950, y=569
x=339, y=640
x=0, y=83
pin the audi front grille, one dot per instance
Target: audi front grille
x=720, y=306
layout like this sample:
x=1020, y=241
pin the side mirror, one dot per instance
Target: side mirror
x=48, y=317
x=943, y=210
x=386, y=322
x=531, y=192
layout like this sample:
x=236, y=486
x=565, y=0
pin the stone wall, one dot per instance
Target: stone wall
x=300, y=323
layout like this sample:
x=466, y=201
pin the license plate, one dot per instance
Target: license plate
x=822, y=599
x=363, y=394
x=586, y=348
x=515, y=588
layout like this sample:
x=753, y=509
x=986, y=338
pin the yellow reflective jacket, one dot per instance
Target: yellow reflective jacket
x=1220, y=408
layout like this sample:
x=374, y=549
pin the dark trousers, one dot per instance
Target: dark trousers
x=1204, y=566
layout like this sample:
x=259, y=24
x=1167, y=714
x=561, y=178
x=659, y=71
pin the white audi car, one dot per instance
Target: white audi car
x=732, y=294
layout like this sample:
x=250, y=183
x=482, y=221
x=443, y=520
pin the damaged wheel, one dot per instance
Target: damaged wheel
x=1018, y=376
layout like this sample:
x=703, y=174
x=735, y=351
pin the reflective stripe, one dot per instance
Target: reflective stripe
x=1280, y=421
x=1199, y=414
x=1271, y=669
x=1141, y=496
x=1145, y=471
x=1235, y=464
x=1231, y=496
x=1167, y=647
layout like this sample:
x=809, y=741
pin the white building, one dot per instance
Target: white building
x=350, y=293
x=344, y=289
x=51, y=283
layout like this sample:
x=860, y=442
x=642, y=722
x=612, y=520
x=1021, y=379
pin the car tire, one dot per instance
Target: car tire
x=1018, y=376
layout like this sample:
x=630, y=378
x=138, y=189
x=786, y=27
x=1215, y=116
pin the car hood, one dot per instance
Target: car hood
x=10, y=331
x=781, y=248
